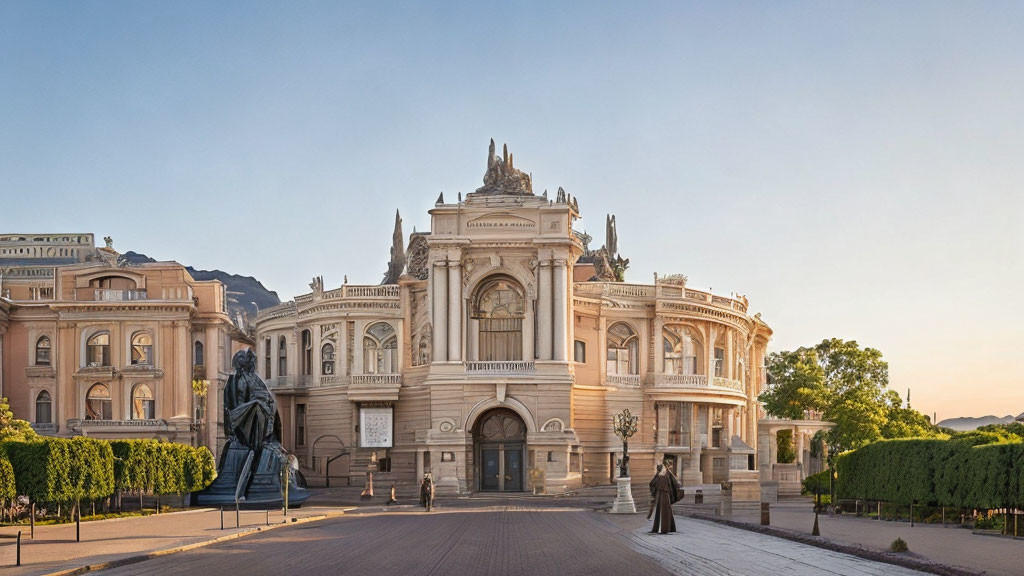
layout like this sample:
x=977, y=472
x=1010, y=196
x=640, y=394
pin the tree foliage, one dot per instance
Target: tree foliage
x=849, y=384
x=12, y=428
x=61, y=469
x=162, y=467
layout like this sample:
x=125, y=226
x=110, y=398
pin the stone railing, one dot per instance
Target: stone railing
x=125, y=423
x=623, y=380
x=118, y=295
x=666, y=291
x=331, y=380
x=376, y=379
x=696, y=381
x=279, y=311
x=500, y=367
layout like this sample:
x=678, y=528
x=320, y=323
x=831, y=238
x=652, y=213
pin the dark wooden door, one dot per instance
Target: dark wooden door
x=490, y=469
x=513, y=470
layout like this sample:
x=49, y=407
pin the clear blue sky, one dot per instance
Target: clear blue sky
x=854, y=168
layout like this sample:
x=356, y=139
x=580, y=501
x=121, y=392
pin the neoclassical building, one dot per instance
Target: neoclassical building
x=499, y=347
x=91, y=346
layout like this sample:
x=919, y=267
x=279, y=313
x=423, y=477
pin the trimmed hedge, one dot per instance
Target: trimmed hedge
x=817, y=483
x=8, y=488
x=162, y=467
x=965, y=472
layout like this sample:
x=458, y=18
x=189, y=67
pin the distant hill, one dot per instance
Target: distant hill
x=967, y=423
x=245, y=293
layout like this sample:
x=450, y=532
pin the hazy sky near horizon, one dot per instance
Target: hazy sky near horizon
x=853, y=168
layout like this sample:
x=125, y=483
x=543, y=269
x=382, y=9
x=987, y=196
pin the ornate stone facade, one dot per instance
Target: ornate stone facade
x=501, y=365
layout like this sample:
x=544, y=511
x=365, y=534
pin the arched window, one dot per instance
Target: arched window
x=498, y=309
x=379, y=349
x=282, y=356
x=623, y=350
x=197, y=354
x=43, y=351
x=307, y=352
x=97, y=350
x=44, y=410
x=142, y=403
x=97, y=403
x=327, y=359
x=682, y=350
x=142, y=349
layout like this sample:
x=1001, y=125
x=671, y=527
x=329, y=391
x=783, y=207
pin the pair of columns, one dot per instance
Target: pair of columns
x=552, y=310
x=447, y=311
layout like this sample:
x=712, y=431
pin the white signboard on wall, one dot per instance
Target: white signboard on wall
x=375, y=427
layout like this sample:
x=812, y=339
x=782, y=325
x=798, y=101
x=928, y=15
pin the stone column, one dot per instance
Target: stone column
x=602, y=349
x=798, y=440
x=439, y=302
x=561, y=294
x=691, y=475
x=659, y=345
x=358, y=364
x=454, y=311
x=544, y=311
x=341, y=351
x=709, y=353
x=182, y=381
x=529, y=332
x=730, y=361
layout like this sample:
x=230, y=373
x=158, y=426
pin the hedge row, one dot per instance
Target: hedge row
x=7, y=485
x=75, y=469
x=963, y=472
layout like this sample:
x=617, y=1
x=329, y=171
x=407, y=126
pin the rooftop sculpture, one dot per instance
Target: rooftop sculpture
x=502, y=178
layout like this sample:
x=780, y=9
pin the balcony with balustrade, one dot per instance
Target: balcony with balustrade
x=374, y=387
x=503, y=368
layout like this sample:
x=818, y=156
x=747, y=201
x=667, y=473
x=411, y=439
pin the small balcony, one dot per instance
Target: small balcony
x=374, y=387
x=625, y=380
x=697, y=381
x=118, y=295
x=500, y=368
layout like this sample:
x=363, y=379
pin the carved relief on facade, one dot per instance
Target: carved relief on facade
x=417, y=257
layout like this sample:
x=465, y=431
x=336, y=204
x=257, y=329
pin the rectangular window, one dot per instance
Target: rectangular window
x=719, y=361
x=300, y=424
x=266, y=358
x=579, y=351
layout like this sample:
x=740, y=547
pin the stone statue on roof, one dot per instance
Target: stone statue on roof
x=502, y=178
x=397, y=264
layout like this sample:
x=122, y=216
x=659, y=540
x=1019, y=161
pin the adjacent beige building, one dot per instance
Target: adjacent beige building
x=90, y=346
x=499, y=348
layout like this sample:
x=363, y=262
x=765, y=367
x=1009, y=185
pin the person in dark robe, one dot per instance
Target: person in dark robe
x=665, y=491
x=427, y=492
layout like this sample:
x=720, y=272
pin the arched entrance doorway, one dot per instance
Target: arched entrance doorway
x=499, y=441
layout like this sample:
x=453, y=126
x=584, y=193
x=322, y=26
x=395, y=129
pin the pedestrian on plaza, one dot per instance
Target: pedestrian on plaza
x=427, y=492
x=665, y=491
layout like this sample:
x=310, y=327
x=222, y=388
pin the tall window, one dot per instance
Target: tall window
x=307, y=352
x=623, y=350
x=579, y=351
x=327, y=359
x=266, y=358
x=282, y=356
x=44, y=408
x=498, y=308
x=97, y=350
x=719, y=361
x=379, y=347
x=300, y=424
x=142, y=349
x=682, y=350
x=197, y=354
x=97, y=403
x=143, y=403
x=43, y=351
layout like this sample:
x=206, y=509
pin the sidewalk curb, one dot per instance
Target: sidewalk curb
x=852, y=550
x=248, y=531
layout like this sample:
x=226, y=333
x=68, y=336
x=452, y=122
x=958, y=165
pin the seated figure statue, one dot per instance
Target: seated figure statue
x=253, y=462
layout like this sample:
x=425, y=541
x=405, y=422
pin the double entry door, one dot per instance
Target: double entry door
x=501, y=467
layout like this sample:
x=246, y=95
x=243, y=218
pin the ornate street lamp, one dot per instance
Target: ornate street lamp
x=625, y=425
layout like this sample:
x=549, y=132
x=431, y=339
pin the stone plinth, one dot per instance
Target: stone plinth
x=623, y=498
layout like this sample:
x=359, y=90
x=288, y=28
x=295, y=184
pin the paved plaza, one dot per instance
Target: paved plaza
x=508, y=540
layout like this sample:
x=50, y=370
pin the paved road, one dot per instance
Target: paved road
x=504, y=540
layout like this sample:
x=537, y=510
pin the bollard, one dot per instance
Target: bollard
x=222, y=517
x=698, y=498
x=815, y=531
x=238, y=518
x=766, y=517
x=32, y=521
x=268, y=516
x=78, y=522
x=19, y=549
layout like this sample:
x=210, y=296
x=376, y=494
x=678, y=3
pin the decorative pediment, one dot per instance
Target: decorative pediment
x=501, y=222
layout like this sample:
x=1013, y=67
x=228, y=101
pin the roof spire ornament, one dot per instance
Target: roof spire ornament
x=502, y=178
x=397, y=264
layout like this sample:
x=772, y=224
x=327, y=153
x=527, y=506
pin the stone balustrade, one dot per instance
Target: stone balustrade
x=632, y=380
x=696, y=381
x=376, y=379
x=509, y=368
x=659, y=291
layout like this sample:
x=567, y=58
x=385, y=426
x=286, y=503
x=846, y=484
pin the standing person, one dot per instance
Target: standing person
x=427, y=492
x=664, y=493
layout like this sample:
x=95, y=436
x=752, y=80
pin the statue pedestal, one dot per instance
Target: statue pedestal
x=623, y=498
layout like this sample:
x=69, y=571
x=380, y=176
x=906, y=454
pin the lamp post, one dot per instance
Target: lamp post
x=624, y=425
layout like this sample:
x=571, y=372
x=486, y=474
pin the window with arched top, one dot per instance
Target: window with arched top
x=97, y=403
x=142, y=349
x=44, y=408
x=43, y=351
x=682, y=350
x=380, y=344
x=282, y=356
x=143, y=403
x=327, y=359
x=97, y=350
x=498, y=308
x=623, y=349
x=307, y=352
x=197, y=354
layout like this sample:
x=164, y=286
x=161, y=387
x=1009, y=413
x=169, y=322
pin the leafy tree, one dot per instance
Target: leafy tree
x=12, y=428
x=798, y=383
x=785, y=453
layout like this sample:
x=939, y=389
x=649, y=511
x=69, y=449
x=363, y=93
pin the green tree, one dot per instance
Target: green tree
x=12, y=428
x=798, y=383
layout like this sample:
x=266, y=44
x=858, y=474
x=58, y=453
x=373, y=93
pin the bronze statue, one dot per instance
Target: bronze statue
x=253, y=461
x=665, y=491
x=427, y=492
